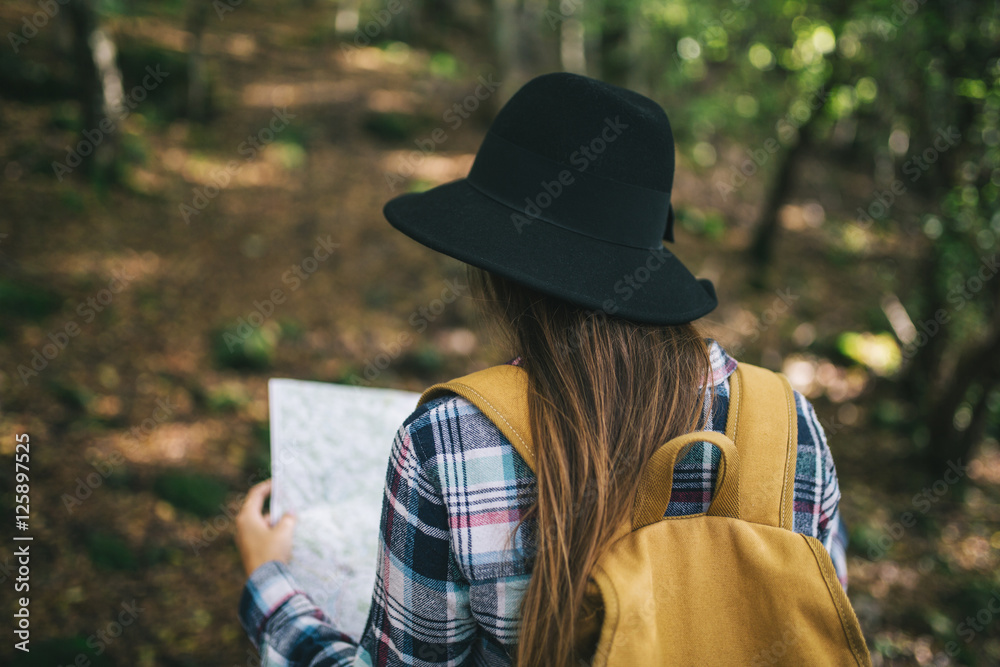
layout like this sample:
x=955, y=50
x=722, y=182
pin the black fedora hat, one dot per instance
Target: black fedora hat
x=569, y=194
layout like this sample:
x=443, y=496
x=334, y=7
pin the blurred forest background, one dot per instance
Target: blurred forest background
x=191, y=204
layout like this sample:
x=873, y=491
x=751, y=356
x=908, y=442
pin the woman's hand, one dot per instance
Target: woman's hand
x=256, y=539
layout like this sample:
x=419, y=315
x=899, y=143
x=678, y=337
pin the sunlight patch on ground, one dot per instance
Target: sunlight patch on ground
x=413, y=164
x=399, y=101
x=172, y=442
x=122, y=267
x=855, y=239
x=239, y=45
x=397, y=57
x=268, y=169
x=301, y=93
x=810, y=215
x=144, y=180
x=12, y=427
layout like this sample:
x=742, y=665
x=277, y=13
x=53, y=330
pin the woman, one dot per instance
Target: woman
x=483, y=562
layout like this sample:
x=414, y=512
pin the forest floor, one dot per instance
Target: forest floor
x=146, y=429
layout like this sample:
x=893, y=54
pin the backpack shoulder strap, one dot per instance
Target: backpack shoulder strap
x=763, y=422
x=501, y=393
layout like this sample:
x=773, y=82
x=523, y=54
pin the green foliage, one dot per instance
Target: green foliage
x=173, y=8
x=135, y=148
x=29, y=81
x=228, y=397
x=61, y=651
x=73, y=396
x=72, y=201
x=291, y=328
x=253, y=351
x=110, y=552
x=196, y=493
x=422, y=362
x=258, y=457
x=879, y=352
x=290, y=154
x=444, y=65
x=164, y=101
x=889, y=413
x=66, y=116
x=419, y=185
x=862, y=535
x=377, y=295
x=28, y=301
x=709, y=224
x=393, y=126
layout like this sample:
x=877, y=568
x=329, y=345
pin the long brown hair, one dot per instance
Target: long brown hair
x=604, y=393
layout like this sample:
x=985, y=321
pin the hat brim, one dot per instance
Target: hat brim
x=644, y=285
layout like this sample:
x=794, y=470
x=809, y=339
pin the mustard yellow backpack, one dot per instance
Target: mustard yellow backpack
x=733, y=586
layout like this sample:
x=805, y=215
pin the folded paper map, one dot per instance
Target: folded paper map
x=330, y=448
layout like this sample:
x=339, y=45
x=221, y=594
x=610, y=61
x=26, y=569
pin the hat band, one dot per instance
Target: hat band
x=542, y=189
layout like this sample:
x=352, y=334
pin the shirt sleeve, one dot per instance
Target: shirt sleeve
x=286, y=626
x=420, y=605
x=818, y=511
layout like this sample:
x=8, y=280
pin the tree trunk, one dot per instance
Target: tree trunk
x=197, y=79
x=979, y=364
x=614, y=51
x=642, y=55
x=510, y=44
x=100, y=80
x=762, y=247
x=572, y=42
x=923, y=376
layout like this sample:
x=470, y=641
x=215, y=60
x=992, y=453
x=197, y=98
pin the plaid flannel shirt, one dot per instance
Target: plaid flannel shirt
x=449, y=578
